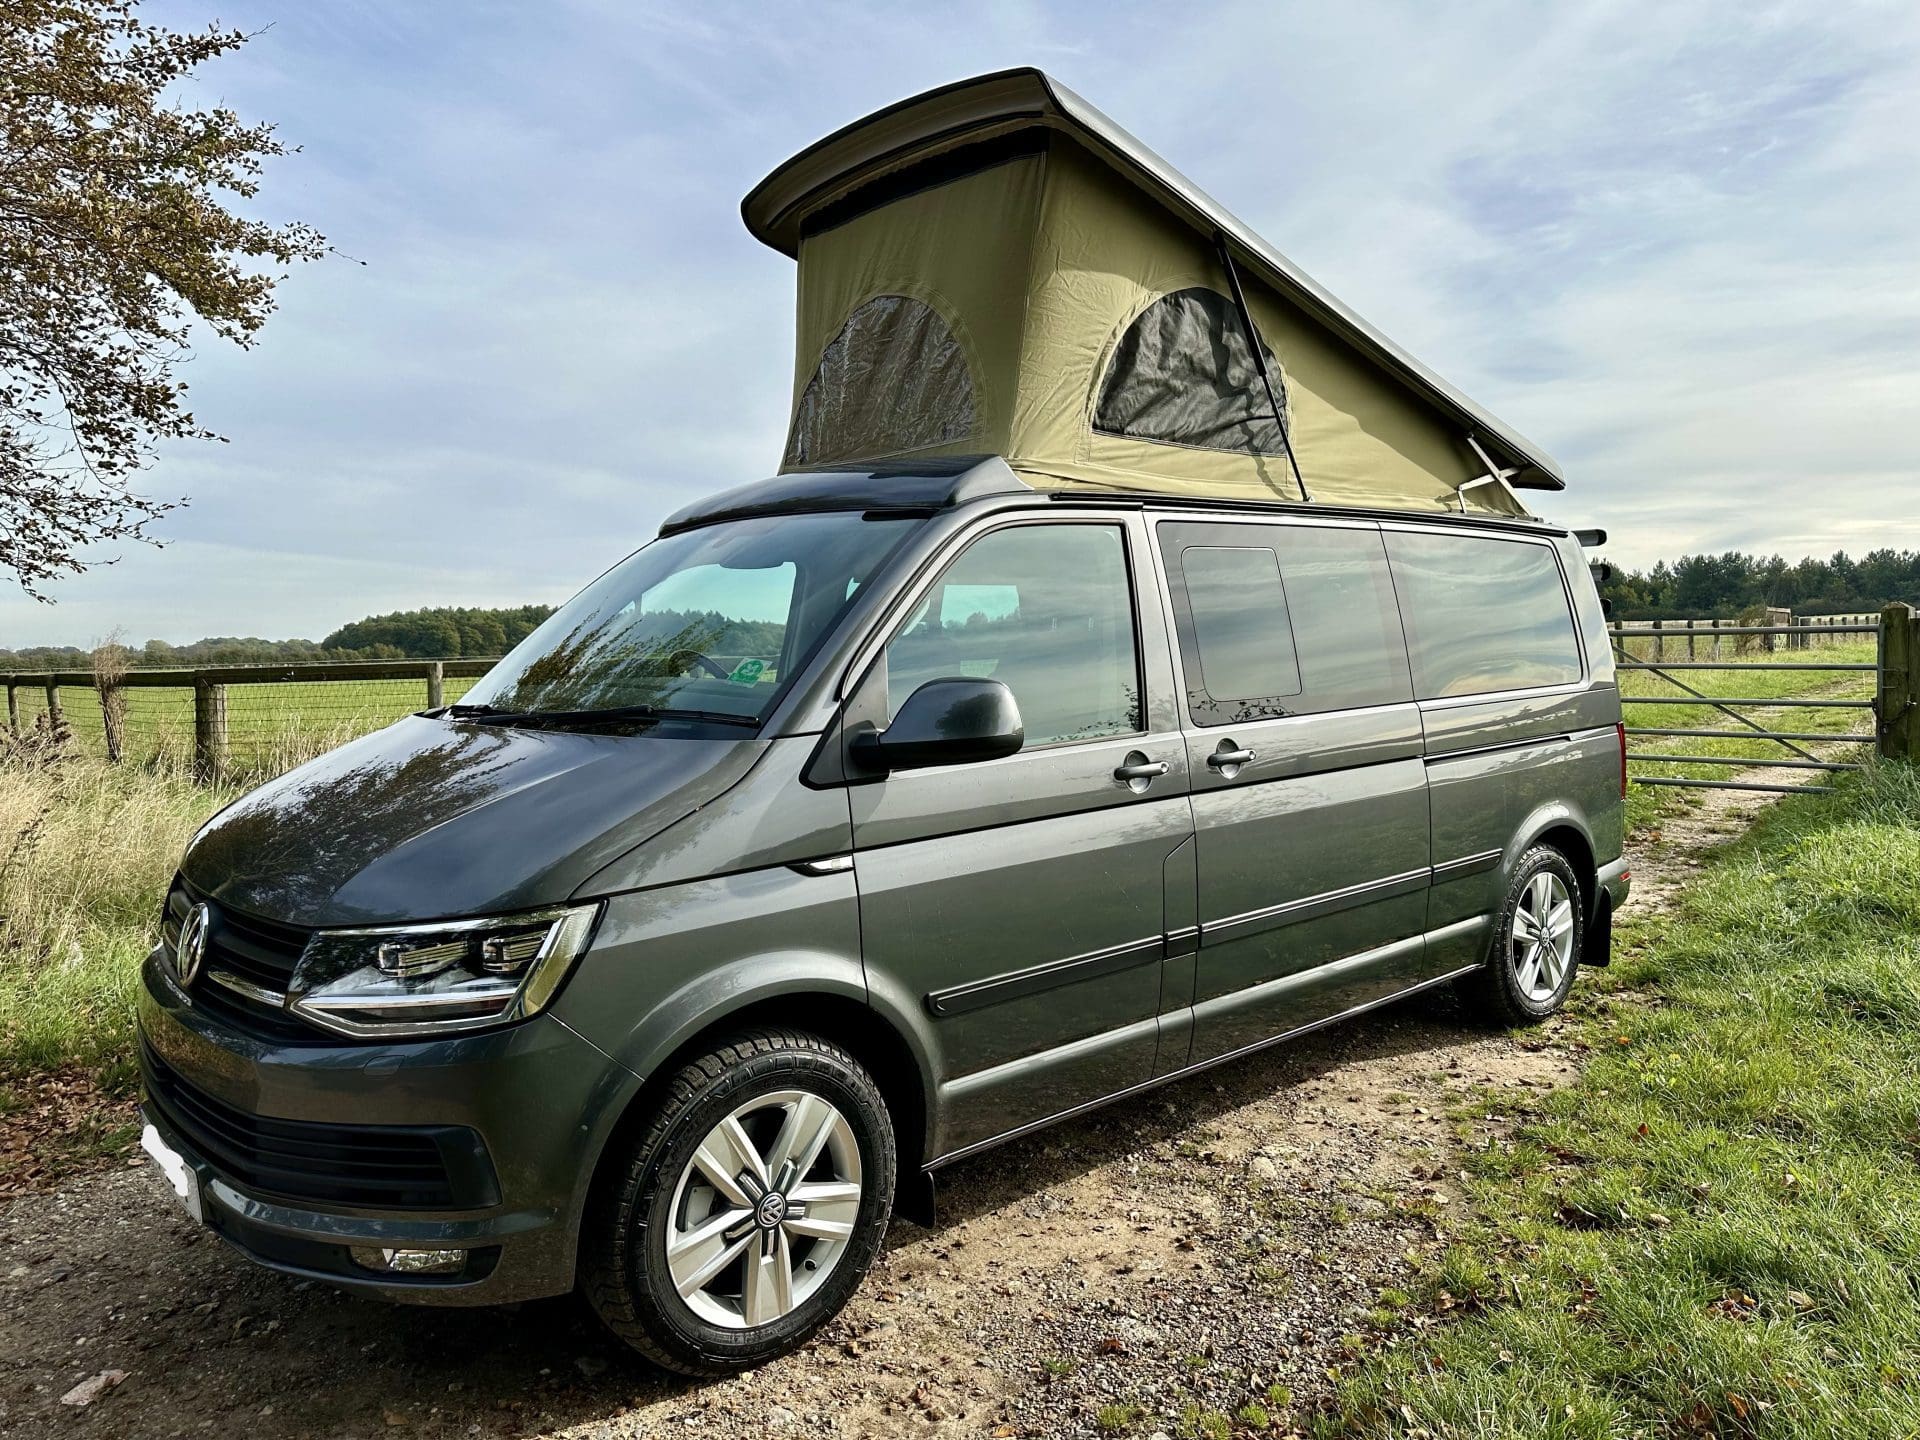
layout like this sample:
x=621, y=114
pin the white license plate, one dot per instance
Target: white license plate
x=174, y=1166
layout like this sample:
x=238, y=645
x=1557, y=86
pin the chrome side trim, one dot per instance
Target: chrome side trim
x=1530, y=742
x=276, y=999
x=1207, y=1064
x=965, y=1086
x=1466, y=865
x=826, y=865
x=978, y=994
x=1312, y=906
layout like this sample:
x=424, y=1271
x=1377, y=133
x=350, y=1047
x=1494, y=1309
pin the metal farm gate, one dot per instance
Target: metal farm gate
x=1775, y=713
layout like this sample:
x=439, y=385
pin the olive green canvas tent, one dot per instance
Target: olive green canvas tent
x=995, y=267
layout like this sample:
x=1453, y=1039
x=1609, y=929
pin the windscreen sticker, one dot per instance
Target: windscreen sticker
x=748, y=672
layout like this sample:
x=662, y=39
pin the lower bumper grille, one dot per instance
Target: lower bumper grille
x=433, y=1167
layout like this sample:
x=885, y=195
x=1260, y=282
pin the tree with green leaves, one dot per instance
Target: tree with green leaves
x=119, y=232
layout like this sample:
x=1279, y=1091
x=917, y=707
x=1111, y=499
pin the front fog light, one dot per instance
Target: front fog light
x=410, y=1262
x=399, y=980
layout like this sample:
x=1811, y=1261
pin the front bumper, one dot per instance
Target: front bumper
x=539, y=1100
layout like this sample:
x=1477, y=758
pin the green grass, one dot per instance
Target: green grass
x=269, y=727
x=1716, y=1230
x=86, y=851
x=1645, y=804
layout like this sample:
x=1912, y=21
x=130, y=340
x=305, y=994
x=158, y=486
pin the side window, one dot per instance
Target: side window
x=1045, y=609
x=1483, y=614
x=1279, y=620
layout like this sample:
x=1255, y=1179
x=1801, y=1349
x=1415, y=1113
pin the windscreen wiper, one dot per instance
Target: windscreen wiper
x=567, y=719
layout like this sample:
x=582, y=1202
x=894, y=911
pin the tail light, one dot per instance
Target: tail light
x=1620, y=731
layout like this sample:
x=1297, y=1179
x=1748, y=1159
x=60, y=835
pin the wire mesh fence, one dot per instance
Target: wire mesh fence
x=240, y=723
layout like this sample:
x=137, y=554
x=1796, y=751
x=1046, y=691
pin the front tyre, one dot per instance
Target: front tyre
x=748, y=1210
x=1537, y=943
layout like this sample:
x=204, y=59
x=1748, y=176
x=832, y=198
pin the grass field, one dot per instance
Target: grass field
x=269, y=727
x=1716, y=1230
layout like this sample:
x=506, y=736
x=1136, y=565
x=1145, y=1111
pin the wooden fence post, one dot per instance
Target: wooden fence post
x=1716, y=640
x=1690, y=639
x=209, y=730
x=112, y=718
x=53, y=705
x=1897, y=705
x=1659, y=643
x=436, y=685
x=13, y=708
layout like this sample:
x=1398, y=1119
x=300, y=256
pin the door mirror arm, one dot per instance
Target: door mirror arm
x=953, y=721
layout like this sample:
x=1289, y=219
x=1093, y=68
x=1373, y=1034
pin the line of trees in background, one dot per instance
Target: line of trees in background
x=1730, y=584
x=1693, y=587
x=441, y=633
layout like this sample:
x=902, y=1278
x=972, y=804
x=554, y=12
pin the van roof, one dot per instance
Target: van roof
x=926, y=487
x=886, y=143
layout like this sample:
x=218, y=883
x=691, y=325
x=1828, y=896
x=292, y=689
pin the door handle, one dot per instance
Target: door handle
x=1229, y=760
x=1137, y=772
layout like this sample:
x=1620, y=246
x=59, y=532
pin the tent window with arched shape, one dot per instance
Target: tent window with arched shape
x=1183, y=374
x=893, y=381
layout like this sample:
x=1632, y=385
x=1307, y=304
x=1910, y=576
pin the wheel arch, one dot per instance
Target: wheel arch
x=830, y=1006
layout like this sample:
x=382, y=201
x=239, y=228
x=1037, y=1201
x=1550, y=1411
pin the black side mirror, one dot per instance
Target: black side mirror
x=946, y=722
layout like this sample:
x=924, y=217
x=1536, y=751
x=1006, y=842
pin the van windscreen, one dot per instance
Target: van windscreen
x=709, y=622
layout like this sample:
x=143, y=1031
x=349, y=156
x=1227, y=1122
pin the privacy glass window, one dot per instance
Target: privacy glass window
x=1279, y=620
x=1045, y=609
x=1483, y=614
x=894, y=380
x=1183, y=374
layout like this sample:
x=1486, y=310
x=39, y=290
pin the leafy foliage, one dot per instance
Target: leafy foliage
x=436, y=634
x=1708, y=586
x=442, y=633
x=114, y=235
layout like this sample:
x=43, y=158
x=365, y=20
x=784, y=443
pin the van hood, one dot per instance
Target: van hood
x=430, y=820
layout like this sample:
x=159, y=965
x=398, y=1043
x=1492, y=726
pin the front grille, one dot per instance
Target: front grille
x=434, y=1167
x=260, y=952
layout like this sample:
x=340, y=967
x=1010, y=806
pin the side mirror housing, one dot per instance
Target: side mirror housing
x=953, y=721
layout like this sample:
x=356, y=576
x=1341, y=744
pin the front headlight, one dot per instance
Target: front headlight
x=400, y=980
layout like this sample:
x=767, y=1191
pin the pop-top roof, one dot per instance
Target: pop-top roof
x=893, y=159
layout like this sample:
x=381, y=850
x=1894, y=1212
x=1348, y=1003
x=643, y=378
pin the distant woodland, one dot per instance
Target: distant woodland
x=1731, y=584
x=442, y=633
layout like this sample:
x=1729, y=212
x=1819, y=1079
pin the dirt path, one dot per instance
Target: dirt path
x=1196, y=1246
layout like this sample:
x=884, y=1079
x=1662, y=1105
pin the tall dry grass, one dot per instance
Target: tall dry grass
x=86, y=850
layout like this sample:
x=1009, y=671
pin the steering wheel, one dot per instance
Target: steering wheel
x=683, y=660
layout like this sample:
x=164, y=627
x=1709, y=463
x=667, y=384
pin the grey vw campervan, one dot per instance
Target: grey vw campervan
x=879, y=812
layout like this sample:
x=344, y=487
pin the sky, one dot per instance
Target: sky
x=1676, y=245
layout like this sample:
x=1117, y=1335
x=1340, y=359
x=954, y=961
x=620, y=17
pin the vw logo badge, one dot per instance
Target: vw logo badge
x=772, y=1209
x=191, y=952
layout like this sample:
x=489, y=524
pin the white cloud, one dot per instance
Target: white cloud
x=1674, y=244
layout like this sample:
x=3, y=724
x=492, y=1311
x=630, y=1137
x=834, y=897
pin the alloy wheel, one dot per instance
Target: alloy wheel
x=1542, y=938
x=764, y=1210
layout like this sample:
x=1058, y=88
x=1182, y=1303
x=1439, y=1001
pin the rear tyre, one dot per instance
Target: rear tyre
x=1538, y=937
x=749, y=1208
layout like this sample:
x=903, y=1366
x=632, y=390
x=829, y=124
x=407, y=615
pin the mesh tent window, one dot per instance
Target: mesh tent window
x=1183, y=374
x=894, y=380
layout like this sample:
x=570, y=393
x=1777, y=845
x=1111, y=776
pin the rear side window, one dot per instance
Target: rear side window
x=1279, y=620
x=1483, y=614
